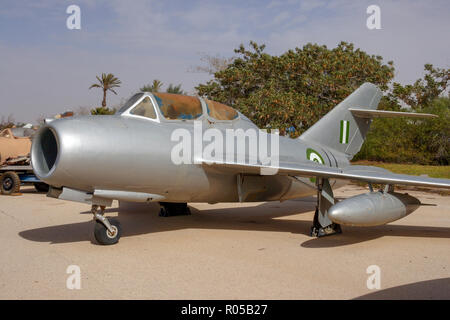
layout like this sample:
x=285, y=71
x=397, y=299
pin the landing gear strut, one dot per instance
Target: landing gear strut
x=169, y=209
x=106, y=231
x=322, y=225
x=318, y=231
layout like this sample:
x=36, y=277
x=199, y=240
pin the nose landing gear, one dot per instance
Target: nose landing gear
x=106, y=231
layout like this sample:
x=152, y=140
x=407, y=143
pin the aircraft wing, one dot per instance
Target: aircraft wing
x=352, y=172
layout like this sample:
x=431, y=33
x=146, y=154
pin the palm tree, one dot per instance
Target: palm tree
x=107, y=82
x=174, y=89
x=154, y=87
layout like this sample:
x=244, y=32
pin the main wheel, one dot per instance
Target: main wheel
x=10, y=183
x=102, y=234
x=41, y=187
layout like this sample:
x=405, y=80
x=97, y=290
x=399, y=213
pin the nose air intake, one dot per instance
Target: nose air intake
x=44, y=152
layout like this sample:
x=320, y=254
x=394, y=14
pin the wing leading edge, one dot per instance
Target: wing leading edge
x=369, y=114
x=360, y=173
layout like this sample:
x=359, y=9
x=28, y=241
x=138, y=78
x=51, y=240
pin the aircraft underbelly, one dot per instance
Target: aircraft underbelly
x=250, y=188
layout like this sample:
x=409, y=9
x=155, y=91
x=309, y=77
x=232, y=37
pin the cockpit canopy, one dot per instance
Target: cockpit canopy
x=176, y=107
x=220, y=111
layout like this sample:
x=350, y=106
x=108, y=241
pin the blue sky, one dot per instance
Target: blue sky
x=46, y=68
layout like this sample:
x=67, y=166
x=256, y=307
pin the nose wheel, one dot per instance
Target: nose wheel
x=106, y=231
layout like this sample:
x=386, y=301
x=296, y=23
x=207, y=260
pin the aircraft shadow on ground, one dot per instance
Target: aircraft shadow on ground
x=138, y=219
x=31, y=190
x=424, y=290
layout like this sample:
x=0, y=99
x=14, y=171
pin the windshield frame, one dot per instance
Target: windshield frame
x=133, y=105
x=130, y=102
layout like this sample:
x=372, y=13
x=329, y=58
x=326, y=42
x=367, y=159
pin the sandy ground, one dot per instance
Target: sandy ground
x=223, y=251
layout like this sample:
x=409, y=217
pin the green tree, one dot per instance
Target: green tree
x=103, y=111
x=157, y=85
x=413, y=141
x=107, y=82
x=437, y=131
x=154, y=87
x=423, y=92
x=174, y=89
x=296, y=88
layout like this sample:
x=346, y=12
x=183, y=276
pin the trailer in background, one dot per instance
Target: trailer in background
x=12, y=177
x=15, y=162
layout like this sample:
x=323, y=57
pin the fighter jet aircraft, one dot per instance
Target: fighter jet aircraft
x=142, y=154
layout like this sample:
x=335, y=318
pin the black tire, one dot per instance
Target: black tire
x=41, y=187
x=10, y=183
x=102, y=234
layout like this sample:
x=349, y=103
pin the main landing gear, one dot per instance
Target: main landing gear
x=169, y=209
x=322, y=225
x=106, y=231
x=317, y=230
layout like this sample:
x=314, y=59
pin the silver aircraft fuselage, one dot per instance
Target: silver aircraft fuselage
x=175, y=149
x=131, y=153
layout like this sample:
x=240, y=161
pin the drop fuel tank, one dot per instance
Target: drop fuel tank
x=373, y=209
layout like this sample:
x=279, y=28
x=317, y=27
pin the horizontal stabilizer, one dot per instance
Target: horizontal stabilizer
x=369, y=114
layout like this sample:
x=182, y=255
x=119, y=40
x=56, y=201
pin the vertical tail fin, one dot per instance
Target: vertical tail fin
x=339, y=129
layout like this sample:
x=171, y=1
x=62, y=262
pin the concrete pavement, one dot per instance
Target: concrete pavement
x=222, y=251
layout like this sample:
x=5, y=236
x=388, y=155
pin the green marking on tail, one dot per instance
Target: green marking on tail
x=344, y=131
